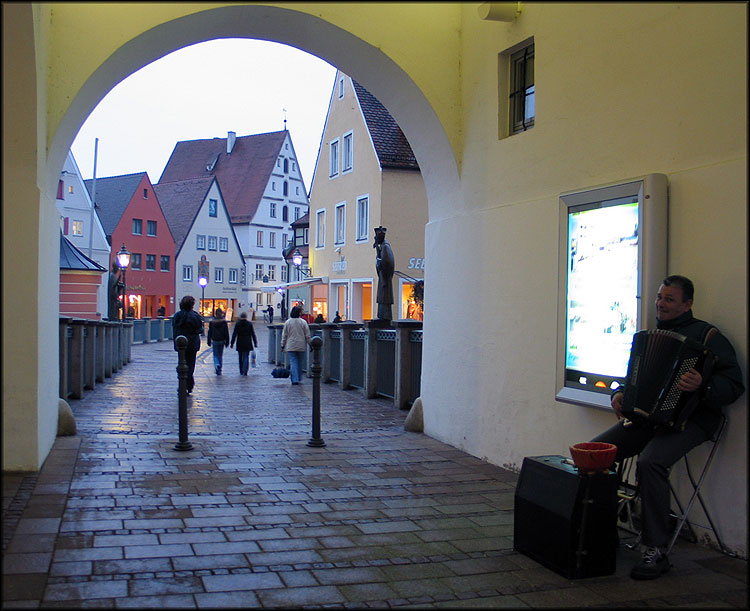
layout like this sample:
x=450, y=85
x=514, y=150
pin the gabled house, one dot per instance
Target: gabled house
x=205, y=244
x=366, y=176
x=131, y=217
x=81, y=227
x=263, y=191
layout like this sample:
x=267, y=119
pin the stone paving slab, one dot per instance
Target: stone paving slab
x=252, y=517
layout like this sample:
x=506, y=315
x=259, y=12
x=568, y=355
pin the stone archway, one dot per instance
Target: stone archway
x=370, y=66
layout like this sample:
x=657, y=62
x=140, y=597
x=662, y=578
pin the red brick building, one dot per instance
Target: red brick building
x=131, y=215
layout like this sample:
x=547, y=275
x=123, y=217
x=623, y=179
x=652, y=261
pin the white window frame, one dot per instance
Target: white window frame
x=271, y=272
x=272, y=209
x=271, y=239
x=224, y=244
x=363, y=218
x=284, y=273
x=333, y=158
x=200, y=242
x=339, y=233
x=320, y=228
x=259, y=238
x=212, y=242
x=218, y=275
x=341, y=87
x=259, y=271
x=187, y=273
x=347, y=153
x=233, y=275
x=76, y=228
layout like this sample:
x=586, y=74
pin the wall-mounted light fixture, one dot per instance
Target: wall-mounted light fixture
x=499, y=11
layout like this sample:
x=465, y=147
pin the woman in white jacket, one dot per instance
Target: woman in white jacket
x=294, y=340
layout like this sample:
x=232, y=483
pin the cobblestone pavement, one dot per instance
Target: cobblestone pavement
x=253, y=517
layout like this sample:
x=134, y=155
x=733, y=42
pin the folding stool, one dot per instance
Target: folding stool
x=628, y=496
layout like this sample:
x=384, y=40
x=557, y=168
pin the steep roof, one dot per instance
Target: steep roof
x=72, y=258
x=180, y=202
x=113, y=194
x=391, y=146
x=243, y=174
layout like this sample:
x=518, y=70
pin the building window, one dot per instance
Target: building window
x=76, y=228
x=70, y=189
x=340, y=227
x=165, y=263
x=284, y=240
x=341, y=87
x=233, y=275
x=200, y=242
x=294, y=166
x=259, y=239
x=286, y=166
x=320, y=229
x=137, y=227
x=296, y=213
x=218, y=275
x=334, y=159
x=286, y=188
x=151, y=263
x=306, y=236
x=145, y=194
x=212, y=205
x=151, y=228
x=363, y=217
x=273, y=185
x=296, y=189
x=135, y=261
x=271, y=239
x=224, y=244
x=187, y=273
x=212, y=242
x=522, y=95
x=272, y=272
x=348, y=153
x=272, y=209
x=285, y=214
x=60, y=185
x=259, y=271
x=284, y=274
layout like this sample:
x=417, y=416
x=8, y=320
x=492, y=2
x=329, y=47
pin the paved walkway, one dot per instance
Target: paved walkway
x=253, y=517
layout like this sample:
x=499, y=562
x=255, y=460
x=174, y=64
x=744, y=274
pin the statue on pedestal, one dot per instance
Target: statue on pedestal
x=384, y=264
x=115, y=287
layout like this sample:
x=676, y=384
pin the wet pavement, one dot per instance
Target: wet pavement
x=254, y=517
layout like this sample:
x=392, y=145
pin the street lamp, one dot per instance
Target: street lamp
x=123, y=260
x=203, y=281
x=297, y=260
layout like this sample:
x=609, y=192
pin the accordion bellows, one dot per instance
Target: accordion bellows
x=658, y=359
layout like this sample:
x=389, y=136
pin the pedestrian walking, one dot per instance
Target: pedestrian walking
x=295, y=338
x=269, y=311
x=218, y=337
x=244, y=335
x=187, y=322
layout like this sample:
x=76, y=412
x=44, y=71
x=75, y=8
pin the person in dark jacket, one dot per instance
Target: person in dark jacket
x=657, y=448
x=244, y=334
x=218, y=337
x=187, y=322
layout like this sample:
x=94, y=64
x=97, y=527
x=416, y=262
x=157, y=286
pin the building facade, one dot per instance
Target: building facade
x=131, y=217
x=206, y=245
x=366, y=176
x=264, y=192
x=80, y=224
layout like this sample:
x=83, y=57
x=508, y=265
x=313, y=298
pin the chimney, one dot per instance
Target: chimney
x=231, y=137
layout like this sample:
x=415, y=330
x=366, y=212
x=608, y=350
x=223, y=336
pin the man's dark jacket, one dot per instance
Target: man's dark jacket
x=189, y=324
x=725, y=384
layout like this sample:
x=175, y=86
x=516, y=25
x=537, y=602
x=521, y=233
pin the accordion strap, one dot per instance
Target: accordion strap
x=709, y=334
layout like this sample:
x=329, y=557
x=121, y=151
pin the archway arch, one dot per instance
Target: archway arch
x=370, y=66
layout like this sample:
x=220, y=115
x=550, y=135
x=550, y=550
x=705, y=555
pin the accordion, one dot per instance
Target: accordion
x=658, y=359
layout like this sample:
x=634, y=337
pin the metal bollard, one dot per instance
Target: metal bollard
x=182, y=373
x=316, y=441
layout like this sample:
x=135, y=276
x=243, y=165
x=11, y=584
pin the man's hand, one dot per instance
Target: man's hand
x=690, y=381
x=616, y=403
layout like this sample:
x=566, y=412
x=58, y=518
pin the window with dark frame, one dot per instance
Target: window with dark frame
x=522, y=90
x=135, y=261
x=151, y=263
x=165, y=263
x=137, y=226
x=151, y=228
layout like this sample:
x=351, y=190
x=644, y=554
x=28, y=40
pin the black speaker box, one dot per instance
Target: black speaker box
x=564, y=519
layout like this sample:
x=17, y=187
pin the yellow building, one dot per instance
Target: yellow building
x=366, y=176
x=620, y=90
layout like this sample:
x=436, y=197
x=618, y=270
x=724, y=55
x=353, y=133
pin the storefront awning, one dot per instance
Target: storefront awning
x=305, y=282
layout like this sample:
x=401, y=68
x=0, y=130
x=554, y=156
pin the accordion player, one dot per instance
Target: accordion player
x=658, y=359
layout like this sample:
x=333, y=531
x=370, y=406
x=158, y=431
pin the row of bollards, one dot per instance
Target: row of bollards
x=183, y=445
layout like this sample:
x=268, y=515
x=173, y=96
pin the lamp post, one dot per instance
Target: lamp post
x=203, y=281
x=123, y=260
x=297, y=260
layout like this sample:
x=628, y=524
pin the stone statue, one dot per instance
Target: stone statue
x=114, y=290
x=384, y=264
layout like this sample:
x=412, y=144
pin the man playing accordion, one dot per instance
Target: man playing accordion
x=659, y=447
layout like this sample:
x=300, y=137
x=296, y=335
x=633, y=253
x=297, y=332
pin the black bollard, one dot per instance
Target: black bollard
x=182, y=373
x=316, y=441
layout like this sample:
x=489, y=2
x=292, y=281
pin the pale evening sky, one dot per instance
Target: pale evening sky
x=204, y=91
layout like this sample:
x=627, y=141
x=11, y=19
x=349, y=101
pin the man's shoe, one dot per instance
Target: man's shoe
x=652, y=564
